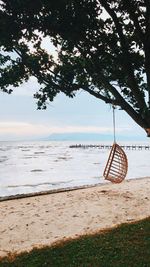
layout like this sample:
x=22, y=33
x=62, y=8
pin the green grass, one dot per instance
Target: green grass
x=127, y=245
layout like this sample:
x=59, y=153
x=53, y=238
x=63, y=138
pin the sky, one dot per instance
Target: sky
x=20, y=119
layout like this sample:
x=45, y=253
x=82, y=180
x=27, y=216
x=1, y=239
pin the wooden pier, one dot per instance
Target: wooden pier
x=126, y=147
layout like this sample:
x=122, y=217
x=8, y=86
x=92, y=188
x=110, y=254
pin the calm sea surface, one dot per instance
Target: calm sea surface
x=27, y=167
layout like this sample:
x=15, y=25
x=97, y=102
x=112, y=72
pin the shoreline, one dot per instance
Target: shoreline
x=59, y=190
x=44, y=220
x=47, y=192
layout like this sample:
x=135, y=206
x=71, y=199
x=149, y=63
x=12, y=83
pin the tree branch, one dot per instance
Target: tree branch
x=118, y=98
x=124, y=105
x=100, y=96
x=128, y=66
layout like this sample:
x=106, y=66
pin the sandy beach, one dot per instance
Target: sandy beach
x=46, y=219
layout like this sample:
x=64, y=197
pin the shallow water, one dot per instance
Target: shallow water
x=37, y=166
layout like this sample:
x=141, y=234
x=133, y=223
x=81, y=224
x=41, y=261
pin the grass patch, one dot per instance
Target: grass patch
x=125, y=246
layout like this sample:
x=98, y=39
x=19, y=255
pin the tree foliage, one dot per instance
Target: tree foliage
x=103, y=48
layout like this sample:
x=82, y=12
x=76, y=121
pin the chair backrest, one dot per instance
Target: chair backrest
x=117, y=165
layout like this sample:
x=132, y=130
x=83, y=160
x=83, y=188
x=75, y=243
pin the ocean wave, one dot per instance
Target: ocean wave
x=38, y=184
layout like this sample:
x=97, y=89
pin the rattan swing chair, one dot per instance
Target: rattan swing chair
x=117, y=163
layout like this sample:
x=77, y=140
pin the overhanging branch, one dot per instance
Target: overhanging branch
x=100, y=96
x=128, y=63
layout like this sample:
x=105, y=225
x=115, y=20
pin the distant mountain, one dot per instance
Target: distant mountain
x=78, y=137
x=88, y=137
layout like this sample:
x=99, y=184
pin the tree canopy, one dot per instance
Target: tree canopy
x=103, y=48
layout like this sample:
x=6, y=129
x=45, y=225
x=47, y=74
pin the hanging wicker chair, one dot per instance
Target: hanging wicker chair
x=117, y=165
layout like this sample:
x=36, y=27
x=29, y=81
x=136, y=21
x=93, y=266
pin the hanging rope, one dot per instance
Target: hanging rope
x=117, y=164
x=114, y=124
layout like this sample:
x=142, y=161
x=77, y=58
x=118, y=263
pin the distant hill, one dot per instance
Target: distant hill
x=88, y=137
x=78, y=137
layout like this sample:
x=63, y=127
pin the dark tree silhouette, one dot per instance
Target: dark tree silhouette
x=103, y=48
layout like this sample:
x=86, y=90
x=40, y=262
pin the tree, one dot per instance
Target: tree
x=103, y=48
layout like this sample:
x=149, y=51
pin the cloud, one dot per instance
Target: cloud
x=25, y=129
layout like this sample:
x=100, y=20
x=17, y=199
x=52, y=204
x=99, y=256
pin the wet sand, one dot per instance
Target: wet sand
x=43, y=220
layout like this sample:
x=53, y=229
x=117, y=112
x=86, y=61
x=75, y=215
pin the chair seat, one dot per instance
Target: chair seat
x=117, y=165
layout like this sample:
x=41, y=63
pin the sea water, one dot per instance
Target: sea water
x=27, y=167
